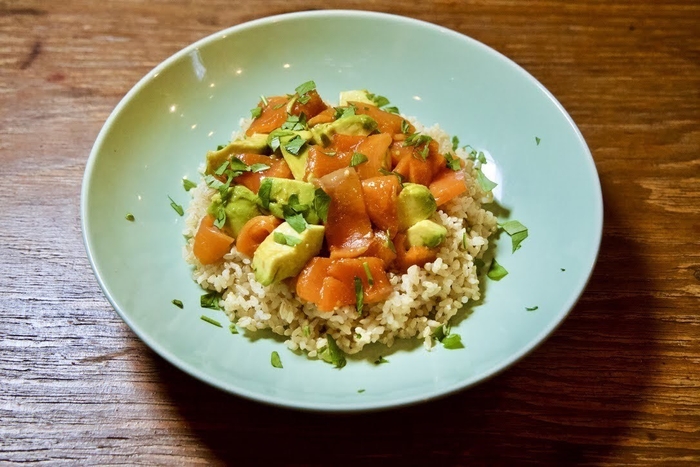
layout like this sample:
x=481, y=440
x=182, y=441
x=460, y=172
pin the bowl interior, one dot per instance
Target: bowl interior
x=191, y=103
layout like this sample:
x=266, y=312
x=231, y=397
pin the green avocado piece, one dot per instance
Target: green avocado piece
x=281, y=189
x=273, y=261
x=253, y=144
x=426, y=233
x=359, y=95
x=415, y=203
x=360, y=125
x=240, y=205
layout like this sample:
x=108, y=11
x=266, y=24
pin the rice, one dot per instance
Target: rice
x=423, y=299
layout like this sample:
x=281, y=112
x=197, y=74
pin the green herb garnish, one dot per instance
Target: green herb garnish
x=188, y=184
x=294, y=145
x=496, y=271
x=405, y=127
x=464, y=240
x=379, y=101
x=275, y=359
x=255, y=112
x=284, y=239
x=360, y=391
x=441, y=332
x=416, y=139
x=484, y=182
x=264, y=192
x=210, y=321
x=232, y=327
x=381, y=360
x=531, y=308
x=389, y=242
x=321, y=204
x=274, y=143
x=295, y=123
x=341, y=112
x=359, y=295
x=537, y=140
x=210, y=300
x=130, y=217
x=452, y=162
x=222, y=168
x=455, y=143
x=295, y=221
x=264, y=101
x=357, y=159
x=258, y=167
x=178, y=303
x=220, y=220
x=517, y=231
x=392, y=109
x=306, y=331
x=213, y=182
x=333, y=354
x=178, y=209
x=370, y=279
x=221, y=146
x=453, y=341
x=303, y=89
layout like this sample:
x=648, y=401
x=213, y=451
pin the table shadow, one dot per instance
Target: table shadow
x=568, y=402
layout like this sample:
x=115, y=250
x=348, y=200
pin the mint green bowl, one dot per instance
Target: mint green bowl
x=190, y=103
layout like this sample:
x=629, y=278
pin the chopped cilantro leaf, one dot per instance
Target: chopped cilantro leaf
x=370, y=279
x=232, y=327
x=274, y=143
x=321, y=204
x=222, y=168
x=305, y=87
x=255, y=112
x=455, y=143
x=381, y=360
x=517, y=231
x=562, y=269
x=238, y=165
x=416, y=139
x=210, y=321
x=258, y=167
x=484, y=182
x=359, y=295
x=357, y=159
x=389, y=242
x=379, y=101
x=294, y=145
x=453, y=341
x=295, y=123
x=441, y=332
x=178, y=303
x=481, y=157
x=275, y=359
x=306, y=331
x=130, y=217
x=333, y=354
x=392, y=109
x=264, y=192
x=210, y=300
x=220, y=147
x=284, y=239
x=531, y=308
x=384, y=171
x=537, y=140
x=341, y=112
x=295, y=221
x=496, y=271
x=178, y=209
x=452, y=162
x=360, y=391
x=405, y=127
x=263, y=99
x=220, y=216
x=188, y=184
x=464, y=240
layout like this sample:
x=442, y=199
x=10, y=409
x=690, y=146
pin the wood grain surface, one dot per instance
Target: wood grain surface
x=618, y=383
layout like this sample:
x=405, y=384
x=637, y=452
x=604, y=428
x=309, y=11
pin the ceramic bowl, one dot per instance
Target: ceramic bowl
x=161, y=130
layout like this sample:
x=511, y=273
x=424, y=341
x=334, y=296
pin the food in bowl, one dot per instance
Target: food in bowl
x=339, y=226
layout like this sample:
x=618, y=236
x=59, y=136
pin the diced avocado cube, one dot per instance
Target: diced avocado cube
x=426, y=233
x=415, y=203
x=240, y=205
x=360, y=125
x=273, y=261
x=354, y=96
x=281, y=190
x=253, y=144
x=295, y=161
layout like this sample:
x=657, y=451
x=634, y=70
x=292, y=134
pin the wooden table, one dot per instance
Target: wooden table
x=619, y=382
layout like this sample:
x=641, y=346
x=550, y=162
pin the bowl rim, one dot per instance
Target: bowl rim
x=276, y=400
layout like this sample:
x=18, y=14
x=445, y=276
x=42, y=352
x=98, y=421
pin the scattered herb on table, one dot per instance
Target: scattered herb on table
x=531, y=308
x=360, y=391
x=517, y=231
x=210, y=300
x=178, y=303
x=130, y=217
